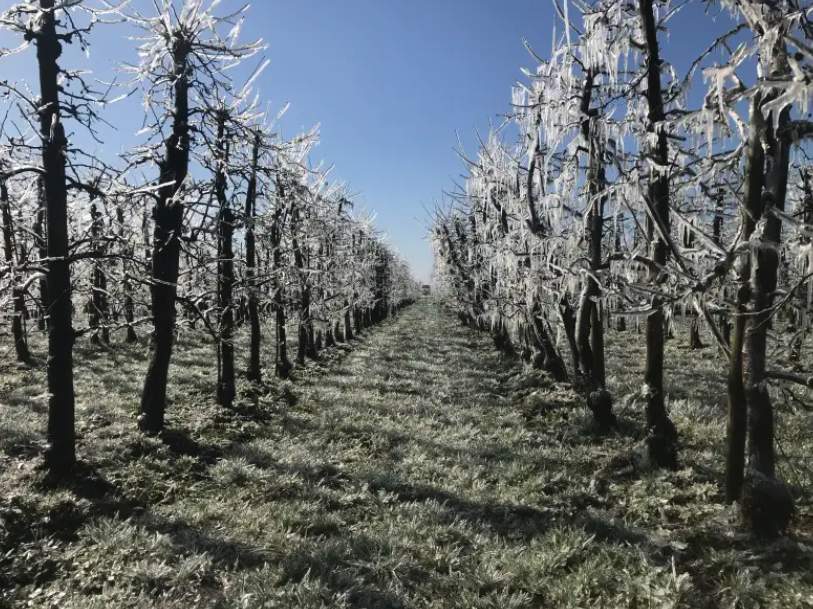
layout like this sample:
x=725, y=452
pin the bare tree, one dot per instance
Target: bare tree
x=184, y=51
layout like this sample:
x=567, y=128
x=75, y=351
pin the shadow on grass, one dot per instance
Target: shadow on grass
x=336, y=565
x=25, y=520
x=188, y=539
x=520, y=522
x=182, y=443
x=19, y=443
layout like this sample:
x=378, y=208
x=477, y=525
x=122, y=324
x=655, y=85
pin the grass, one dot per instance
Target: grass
x=416, y=470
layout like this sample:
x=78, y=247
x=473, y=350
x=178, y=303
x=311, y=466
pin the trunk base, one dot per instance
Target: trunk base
x=662, y=445
x=766, y=505
x=149, y=425
x=600, y=403
x=58, y=462
x=283, y=369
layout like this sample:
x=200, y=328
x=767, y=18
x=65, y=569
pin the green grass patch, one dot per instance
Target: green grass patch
x=418, y=470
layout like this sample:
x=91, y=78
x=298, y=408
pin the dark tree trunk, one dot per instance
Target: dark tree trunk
x=589, y=324
x=767, y=504
x=348, y=321
x=17, y=295
x=99, y=309
x=502, y=339
x=717, y=237
x=717, y=225
x=40, y=228
x=127, y=288
x=569, y=324
x=662, y=440
x=466, y=278
x=694, y=332
x=590, y=331
x=381, y=306
x=60, y=454
x=737, y=413
x=583, y=321
x=166, y=249
x=282, y=364
x=764, y=268
x=725, y=326
x=552, y=362
x=302, y=342
x=226, y=390
x=254, y=366
x=129, y=314
x=306, y=346
x=356, y=317
x=527, y=343
x=737, y=405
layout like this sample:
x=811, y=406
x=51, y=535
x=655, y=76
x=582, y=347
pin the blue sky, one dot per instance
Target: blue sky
x=392, y=83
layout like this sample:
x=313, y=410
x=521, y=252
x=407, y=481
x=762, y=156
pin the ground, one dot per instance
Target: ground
x=414, y=469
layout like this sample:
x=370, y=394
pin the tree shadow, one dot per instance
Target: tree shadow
x=27, y=520
x=181, y=443
x=338, y=566
x=511, y=521
x=189, y=539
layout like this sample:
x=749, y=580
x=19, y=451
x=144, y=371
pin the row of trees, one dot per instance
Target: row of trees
x=619, y=187
x=234, y=226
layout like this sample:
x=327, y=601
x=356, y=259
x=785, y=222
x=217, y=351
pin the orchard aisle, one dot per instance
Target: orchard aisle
x=421, y=374
x=415, y=471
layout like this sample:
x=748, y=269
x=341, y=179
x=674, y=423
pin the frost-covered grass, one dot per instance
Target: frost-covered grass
x=417, y=470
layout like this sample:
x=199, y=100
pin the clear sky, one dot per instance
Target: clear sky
x=391, y=82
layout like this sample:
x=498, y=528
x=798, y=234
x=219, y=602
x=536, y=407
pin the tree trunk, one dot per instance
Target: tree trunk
x=584, y=349
x=166, y=249
x=763, y=284
x=552, y=361
x=662, y=440
x=502, y=338
x=737, y=406
x=17, y=295
x=694, y=332
x=589, y=324
x=356, y=317
x=60, y=454
x=254, y=367
x=127, y=288
x=569, y=324
x=306, y=346
x=767, y=504
x=737, y=413
x=282, y=364
x=226, y=390
x=99, y=310
x=348, y=322
x=40, y=228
